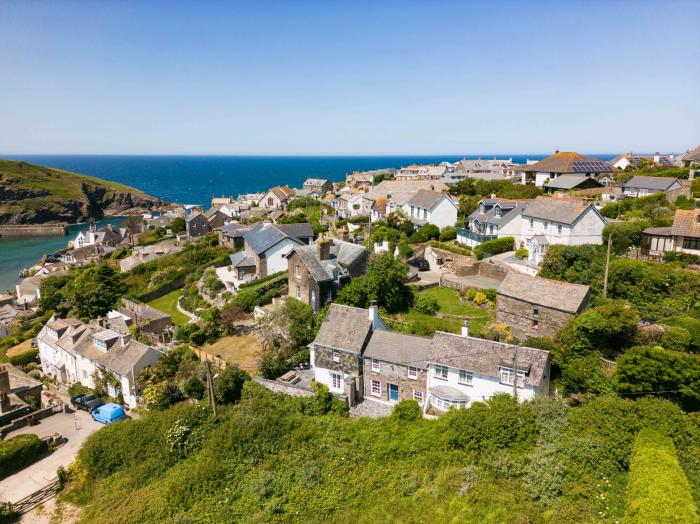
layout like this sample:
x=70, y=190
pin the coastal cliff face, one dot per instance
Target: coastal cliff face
x=31, y=194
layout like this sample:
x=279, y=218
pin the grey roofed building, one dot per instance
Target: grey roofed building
x=653, y=183
x=553, y=294
x=233, y=229
x=345, y=328
x=486, y=356
x=342, y=255
x=241, y=259
x=566, y=182
x=263, y=238
x=691, y=157
x=398, y=348
x=556, y=210
x=425, y=199
x=301, y=231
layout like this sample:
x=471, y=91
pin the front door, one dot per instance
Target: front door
x=393, y=392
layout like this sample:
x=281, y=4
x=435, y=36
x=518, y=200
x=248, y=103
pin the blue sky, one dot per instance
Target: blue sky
x=327, y=77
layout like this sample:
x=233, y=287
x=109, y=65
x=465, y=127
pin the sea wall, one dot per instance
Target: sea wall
x=37, y=230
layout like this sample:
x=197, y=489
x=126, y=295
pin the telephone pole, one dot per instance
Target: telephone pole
x=607, y=266
x=210, y=388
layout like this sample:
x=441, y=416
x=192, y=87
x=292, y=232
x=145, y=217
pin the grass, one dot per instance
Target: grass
x=20, y=348
x=168, y=304
x=241, y=349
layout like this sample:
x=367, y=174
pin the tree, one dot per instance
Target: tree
x=386, y=279
x=426, y=304
x=178, y=225
x=625, y=234
x=448, y=233
x=52, y=291
x=229, y=384
x=356, y=293
x=94, y=290
x=676, y=338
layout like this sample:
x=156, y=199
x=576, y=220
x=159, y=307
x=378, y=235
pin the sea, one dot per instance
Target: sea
x=196, y=179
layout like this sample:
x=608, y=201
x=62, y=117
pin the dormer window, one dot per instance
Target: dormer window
x=102, y=344
x=498, y=211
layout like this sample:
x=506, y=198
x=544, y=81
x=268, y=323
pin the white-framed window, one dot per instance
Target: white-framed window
x=337, y=381
x=532, y=223
x=418, y=396
x=336, y=356
x=412, y=372
x=298, y=293
x=297, y=272
x=376, y=388
x=425, y=214
x=559, y=229
x=507, y=376
x=466, y=377
x=440, y=372
x=376, y=366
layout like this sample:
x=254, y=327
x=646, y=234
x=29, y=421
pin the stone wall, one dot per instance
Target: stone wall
x=288, y=389
x=32, y=230
x=390, y=373
x=483, y=269
x=349, y=362
x=519, y=316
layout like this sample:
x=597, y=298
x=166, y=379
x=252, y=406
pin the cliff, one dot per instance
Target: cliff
x=31, y=194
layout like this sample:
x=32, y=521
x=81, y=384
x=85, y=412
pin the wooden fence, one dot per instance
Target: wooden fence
x=208, y=357
x=40, y=496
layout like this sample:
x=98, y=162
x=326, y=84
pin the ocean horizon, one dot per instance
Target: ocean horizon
x=195, y=179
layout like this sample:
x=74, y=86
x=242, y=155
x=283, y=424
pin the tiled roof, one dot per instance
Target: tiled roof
x=686, y=223
x=563, y=296
x=391, y=187
x=569, y=181
x=345, y=328
x=659, y=231
x=693, y=155
x=486, y=356
x=398, y=348
x=315, y=181
x=655, y=183
x=262, y=237
x=563, y=162
x=342, y=255
x=425, y=199
x=556, y=210
x=300, y=231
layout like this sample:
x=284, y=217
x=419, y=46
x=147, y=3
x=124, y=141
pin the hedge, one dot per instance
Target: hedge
x=22, y=358
x=262, y=280
x=657, y=489
x=18, y=452
x=452, y=248
x=494, y=247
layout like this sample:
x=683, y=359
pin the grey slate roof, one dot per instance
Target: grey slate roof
x=569, y=181
x=345, y=328
x=556, y=210
x=398, y=348
x=693, y=155
x=659, y=231
x=343, y=254
x=486, y=356
x=509, y=209
x=425, y=199
x=562, y=296
x=299, y=231
x=654, y=183
x=233, y=229
x=241, y=259
x=260, y=239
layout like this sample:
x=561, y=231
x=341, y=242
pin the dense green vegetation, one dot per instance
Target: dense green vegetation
x=273, y=458
x=34, y=194
x=493, y=247
x=18, y=452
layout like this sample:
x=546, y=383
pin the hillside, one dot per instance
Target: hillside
x=31, y=194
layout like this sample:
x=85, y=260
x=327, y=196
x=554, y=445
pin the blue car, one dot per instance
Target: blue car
x=109, y=413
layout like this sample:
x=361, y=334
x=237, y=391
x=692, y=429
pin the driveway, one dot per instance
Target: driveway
x=75, y=428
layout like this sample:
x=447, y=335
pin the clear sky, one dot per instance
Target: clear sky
x=348, y=77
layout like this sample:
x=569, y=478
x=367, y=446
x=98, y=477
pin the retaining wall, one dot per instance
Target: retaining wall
x=32, y=230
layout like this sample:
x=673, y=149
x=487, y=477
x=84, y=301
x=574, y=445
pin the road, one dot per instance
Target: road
x=75, y=427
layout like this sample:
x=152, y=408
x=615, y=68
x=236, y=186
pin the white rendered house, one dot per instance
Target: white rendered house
x=430, y=207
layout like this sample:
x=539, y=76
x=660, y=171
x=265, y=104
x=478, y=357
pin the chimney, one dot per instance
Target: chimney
x=4, y=380
x=465, y=328
x=324, y=248
x=5, y=404
x=374, y=315
x=493, y=195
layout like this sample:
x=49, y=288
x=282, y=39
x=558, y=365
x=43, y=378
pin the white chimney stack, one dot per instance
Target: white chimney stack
x=465, y=328
x=374, y=315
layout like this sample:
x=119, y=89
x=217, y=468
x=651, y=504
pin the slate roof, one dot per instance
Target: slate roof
x=262, y=237
x=241, y=259
x=570, y=181
x=345, y=328
x=562, y=296
x=425, y=199
x=693, y=155
x=509, y=209
x=686, y=223
x=343, y=254
x=564, y=162
x=654, y=183
x=659, y=231
x=390, y=187
x=282, y=192
x=315, y=182
x=299, y=231
x=486, y=356
x=233, y=229
x=556, y=210
x=398, y=348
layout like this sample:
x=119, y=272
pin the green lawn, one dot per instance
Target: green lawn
x=168, y=304
x=449, y=301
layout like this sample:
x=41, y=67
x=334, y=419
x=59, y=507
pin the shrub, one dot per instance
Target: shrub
x=675, y=338
x=406, y=410
x=405, y=250
x=448, y=233
x=522, y=253
x=452, y=248
x=494, y=247
x=25, y=357
x=657, y=490
x=18, y=452
x=425, y=233
x=77, y=389
x=426, y=304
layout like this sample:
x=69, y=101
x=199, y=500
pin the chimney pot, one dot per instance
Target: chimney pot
x=465, y=328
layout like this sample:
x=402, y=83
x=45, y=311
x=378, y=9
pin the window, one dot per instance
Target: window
x=425, y=214
x=546, y=225
x=535, y=322
x=535, y=312
x=506, y=375
x=329, y=297
x=84, y=374
x=691, y=243
x=532, y=223
x=412, y=211
x=297, y=272
x=376, y=366
x=559, y=229
x=440, y=372
x=418, y=396
x=465, y=377
x=376, y=388
x=269, y=201
x=337, y=381
x=498, y=211
x=336, y=356
x=412, y=372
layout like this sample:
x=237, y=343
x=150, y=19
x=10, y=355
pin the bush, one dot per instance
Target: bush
x=657, y=490
x=522, y=253
x=406, y=410
x=25, y=357
x=494, y=247
x=675, y=338
x=426, y=304
x=448, y=233
x=425, y=233
x=452, y=248
x=18, y=452
x=77, y=389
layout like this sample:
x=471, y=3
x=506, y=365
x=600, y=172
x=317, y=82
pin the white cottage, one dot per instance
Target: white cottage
x=431, y=207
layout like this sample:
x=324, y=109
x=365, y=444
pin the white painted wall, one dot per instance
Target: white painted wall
x=276, y=256
x=588, y=229
x=443, y=214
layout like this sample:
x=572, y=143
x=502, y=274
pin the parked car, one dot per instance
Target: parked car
x=88, y=402
x=109, y=413
x=420, y=263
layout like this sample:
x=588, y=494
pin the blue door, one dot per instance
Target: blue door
x=393, y=392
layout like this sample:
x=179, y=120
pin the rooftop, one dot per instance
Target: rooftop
x=686, y=223
x=563, y=296
x=569, y=162
x=556, y=210
x=345, y=328
x=654, y=183
x=399, y=348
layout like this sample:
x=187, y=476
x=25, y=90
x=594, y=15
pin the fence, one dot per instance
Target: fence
x=208, y=357
x=40, y=496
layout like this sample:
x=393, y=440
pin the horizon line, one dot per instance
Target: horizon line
x=321, y=155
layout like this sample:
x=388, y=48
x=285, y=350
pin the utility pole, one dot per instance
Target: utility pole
x=607, y=266
x=210, y=388
x=515, y=373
